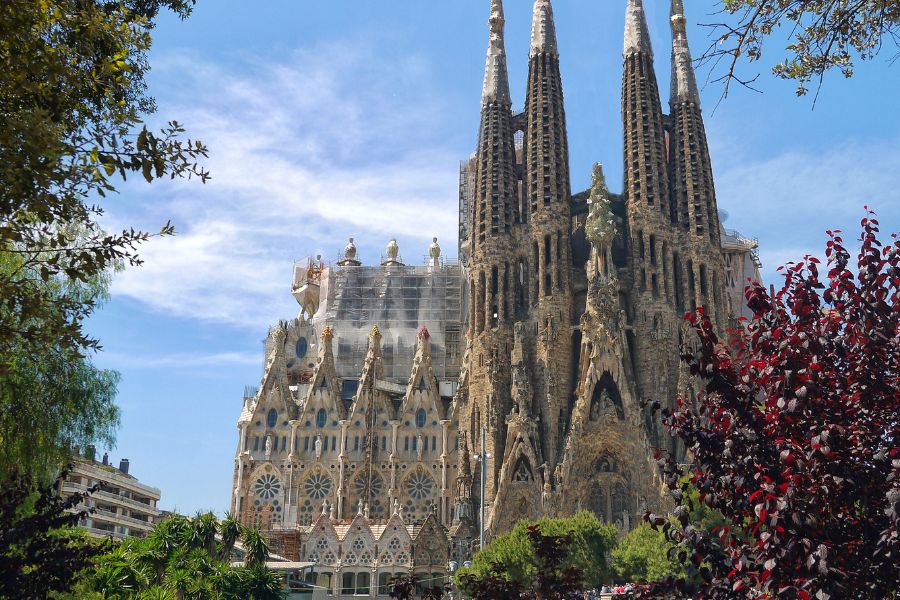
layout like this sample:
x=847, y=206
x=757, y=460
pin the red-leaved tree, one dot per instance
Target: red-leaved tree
x=796, y=439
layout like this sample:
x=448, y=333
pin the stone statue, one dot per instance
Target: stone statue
x=420, y=447
x=269, y=447
x=318, y=447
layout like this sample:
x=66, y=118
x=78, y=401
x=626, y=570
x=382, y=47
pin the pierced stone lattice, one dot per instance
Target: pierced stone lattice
x=268, y=486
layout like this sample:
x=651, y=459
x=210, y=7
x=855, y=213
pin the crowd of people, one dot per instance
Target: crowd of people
x=606, y=591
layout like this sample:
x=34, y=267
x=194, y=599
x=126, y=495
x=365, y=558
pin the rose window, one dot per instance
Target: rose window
x=322, y=545
x=419, y=485
x=359, y=544
x=394, y=545
x=377, y=486
x=350, y=559
x=267, y=487
x=318, y=486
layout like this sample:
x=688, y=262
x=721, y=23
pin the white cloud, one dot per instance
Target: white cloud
x=304, y=153
x=791, y=199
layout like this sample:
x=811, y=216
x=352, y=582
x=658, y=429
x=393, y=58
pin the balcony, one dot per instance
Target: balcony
x=116, y=499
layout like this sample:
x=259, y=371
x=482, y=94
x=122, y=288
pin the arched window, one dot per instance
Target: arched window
x=272, y=418
x=321, y=418
x=420, y=417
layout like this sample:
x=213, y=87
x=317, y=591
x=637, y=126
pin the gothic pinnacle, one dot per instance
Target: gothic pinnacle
x=637, y=36
x=496, y=79
x=543, y=29
x=684, y=81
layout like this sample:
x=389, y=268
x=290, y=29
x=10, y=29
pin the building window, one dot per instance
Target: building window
x=415, y=444
x=362, y=584
x=272, y=418
x=321, y=418
x=255, y=443
x=356, y=443
x=406, y=443
x=425, y=444
x=433, y=442
x=383, y=443
x=306, y=444
x=420, y=417
x=283, y=443
x=301, y=347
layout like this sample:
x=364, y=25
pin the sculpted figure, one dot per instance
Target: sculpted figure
x=420, y=447
x=268, y=447
x=318, y=447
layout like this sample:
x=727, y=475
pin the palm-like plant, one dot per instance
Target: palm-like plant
x=260, y=583
x=230, y=531
x=256, y=547
x=180, y=560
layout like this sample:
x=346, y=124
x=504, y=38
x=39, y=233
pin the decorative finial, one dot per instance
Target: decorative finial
x=375, y=334
x=637, y=36
x=434, y=250
x=327, y=333
x=543, y=29
x=324, y=507
x=423, y=333
x=393, y=252
x=684, y=81
x=349, y=259
x=366, y=510
x=496, y=77
x=359, y=508
x=396, y=506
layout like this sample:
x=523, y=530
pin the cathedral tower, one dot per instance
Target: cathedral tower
x=693, y=191
x=650, y=232
x=495, y=211
x=547, y=195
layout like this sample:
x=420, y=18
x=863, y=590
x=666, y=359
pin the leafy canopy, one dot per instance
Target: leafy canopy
x=515, y=556
x=40, y=552
x=72, y=103
x=797, y=436
x=822, y=35
x=185, y=558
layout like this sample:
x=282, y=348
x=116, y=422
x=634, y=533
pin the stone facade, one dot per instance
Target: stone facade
x=564, y=313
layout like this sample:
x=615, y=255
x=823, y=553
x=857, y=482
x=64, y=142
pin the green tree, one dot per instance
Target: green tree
x=73, y=100
x=51, y=401
x=513, y=554
x=822, y=35
x=643, y=555
x=40, y=551
x=186, y=558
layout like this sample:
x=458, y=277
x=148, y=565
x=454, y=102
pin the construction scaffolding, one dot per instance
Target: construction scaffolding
x=400, y=300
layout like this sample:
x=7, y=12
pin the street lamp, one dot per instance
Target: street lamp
x=482, y=457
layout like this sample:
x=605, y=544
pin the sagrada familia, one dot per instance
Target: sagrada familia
x=405, y=401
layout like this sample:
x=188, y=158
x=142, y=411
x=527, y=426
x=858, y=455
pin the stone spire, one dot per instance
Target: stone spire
x=684, y=81
x=646, y=177
x=543, y=29
x=496, y=78
x=547, y=192
x=637, y=36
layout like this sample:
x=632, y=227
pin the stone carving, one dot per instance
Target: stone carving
x=318, y=447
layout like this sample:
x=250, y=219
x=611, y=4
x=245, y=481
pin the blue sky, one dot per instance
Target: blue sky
x=348, y=118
